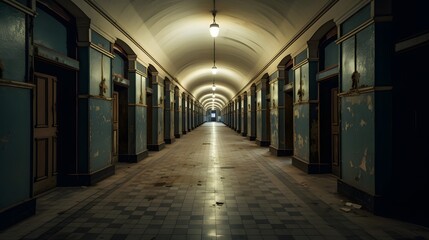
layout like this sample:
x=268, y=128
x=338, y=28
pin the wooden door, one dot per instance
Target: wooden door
x=335, y=132
x=45, y=133
x=115, y=127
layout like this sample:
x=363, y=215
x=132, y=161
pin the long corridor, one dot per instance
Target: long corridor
x=210, y=184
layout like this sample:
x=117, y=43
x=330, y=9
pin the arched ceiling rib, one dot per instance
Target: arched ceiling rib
x=175, y=33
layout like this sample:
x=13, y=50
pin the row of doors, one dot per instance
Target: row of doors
x=46, y=127
x=329, y=128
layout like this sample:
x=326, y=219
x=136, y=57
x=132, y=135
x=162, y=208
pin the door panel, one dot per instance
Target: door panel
x=45, y=133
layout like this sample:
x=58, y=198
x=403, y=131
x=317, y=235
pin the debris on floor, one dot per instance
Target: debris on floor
x=344, y=209
x=353, y=205
x=219, y=203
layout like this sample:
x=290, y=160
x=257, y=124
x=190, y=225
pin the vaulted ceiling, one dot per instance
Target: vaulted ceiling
x=176, y=34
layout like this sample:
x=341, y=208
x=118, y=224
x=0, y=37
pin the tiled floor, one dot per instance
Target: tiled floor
x=210, y=184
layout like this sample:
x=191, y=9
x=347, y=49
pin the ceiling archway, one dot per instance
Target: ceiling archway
x=175, y=33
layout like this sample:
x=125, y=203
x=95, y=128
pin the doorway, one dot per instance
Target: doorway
x=55, y=124
x=120, y=122
x=45, y=133
x=329, y=124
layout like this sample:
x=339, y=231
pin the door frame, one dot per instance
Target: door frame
x=333, y=81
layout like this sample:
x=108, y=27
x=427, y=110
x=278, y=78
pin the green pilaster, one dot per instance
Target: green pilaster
x=184, y=114
x=157, y=139
x=137, y=118
x=251, y=114
x=168, y=111
x=95, y=113
x=244, y=114
x=277, y=112
x=178, y=128
x=306, y=116
x=366, y=109
x=262, y=117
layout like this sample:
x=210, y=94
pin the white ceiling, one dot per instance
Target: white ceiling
x=175, y=33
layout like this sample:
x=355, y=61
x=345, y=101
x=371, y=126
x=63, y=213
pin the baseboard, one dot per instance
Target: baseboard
x=155, y=147
x=262, y=143
x=169, y=141
x=311, y=168
x=177, y=135
x=280, y=152
x=251, y=138
x=16, y=213
x=132, y=158
x=85, y=179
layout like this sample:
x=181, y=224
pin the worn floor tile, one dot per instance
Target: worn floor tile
x=211, y=183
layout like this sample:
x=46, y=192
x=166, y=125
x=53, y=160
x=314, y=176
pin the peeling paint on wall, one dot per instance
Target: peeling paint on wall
x=301, y=132
x=296, y=113
x=357, y=141
x=100, y=133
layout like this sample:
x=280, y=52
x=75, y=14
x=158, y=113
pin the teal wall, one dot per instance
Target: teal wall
x=301, y=134
x=13, y=43
x=140, y=129
x=302, y=81
x=357, y=141
x=358, y=134
x=95, y=112
x=49, y=32
x=301, y=116
x=137, y=140
x=118, y=65
x=100, y=41
x=249, y=114
x=100, y=67
x=274, y=114
x=100, y=133
x=15, y=146
x=259, y=117
x=177, y=113
x=357, y=19
x=330, y=55
x=168, y=110
x=157, y=111
x=16, y=125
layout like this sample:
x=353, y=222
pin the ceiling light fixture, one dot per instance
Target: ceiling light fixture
x=214, y=27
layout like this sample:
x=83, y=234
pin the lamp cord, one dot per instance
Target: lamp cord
x=214, y=51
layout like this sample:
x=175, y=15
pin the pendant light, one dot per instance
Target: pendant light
x=214, y=27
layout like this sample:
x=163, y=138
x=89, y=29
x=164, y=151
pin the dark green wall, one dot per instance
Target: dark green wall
x=13, y=43
x=15, y=146
x=49, y=32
